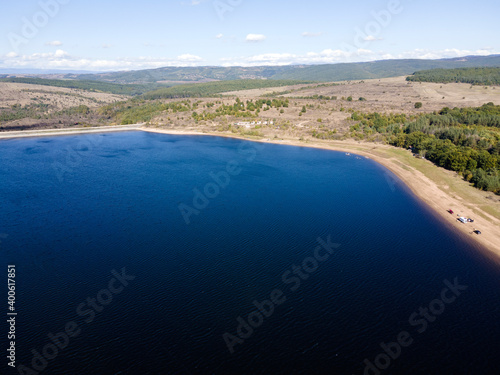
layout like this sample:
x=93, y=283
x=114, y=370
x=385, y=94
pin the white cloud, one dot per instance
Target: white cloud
x=331, y=56
x=324, y=57
x=189, y=57
x=308, y=34
x=106, y=45
x=255, y=38
x=272, y=59
x=54, y=43
x=219, y=36
x=60, y=53
x=61, y=59
x=441, y=54
x=371, y=38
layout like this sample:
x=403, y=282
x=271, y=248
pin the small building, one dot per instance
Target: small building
x=243, y=124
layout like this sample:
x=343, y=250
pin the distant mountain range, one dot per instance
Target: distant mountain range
x=325, y=73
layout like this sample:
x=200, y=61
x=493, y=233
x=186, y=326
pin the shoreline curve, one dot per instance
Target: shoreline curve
x=427, y=191
x=423, y=187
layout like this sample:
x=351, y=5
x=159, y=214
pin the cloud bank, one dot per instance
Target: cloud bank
x=61, y=59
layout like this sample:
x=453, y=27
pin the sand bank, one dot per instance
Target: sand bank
x=67, y=131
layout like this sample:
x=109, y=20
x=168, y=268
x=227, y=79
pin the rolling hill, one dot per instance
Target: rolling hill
x=474, y=76
x=325, y=73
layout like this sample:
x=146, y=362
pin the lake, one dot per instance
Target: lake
x=142, y=253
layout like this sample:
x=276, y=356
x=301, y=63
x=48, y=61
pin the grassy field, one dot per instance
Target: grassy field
x=448, y=181
x=210, y=89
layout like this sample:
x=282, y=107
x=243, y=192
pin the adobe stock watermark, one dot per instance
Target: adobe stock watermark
x=218, y=182
x=221, y=7
x=265, y=309
x=74, y=155
x=31, y=26
x=373, y=29
x=89, y=309
x=419, y=319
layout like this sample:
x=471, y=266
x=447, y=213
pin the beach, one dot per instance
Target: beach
x=67, y=131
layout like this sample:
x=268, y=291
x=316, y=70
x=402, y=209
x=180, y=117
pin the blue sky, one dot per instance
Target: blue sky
x=122, y=35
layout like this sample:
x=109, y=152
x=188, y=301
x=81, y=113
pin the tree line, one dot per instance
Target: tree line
x=248, y=109
x=211, y=89
x=465, y=140
x=474, y=76
x=137, y=110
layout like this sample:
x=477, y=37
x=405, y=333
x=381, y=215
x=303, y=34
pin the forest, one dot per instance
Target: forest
x=464, y=140
x=474, y=76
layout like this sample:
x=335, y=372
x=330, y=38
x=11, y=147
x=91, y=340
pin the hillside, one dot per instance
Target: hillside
x=217, y=87
x=324, y=73
x=474, y=76
x=92, y=86
x=29, y=106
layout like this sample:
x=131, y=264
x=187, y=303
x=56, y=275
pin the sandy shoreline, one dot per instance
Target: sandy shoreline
x=67, y=131
x=435, y=197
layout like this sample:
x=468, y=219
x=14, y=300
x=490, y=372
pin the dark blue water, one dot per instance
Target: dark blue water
x=74, y=208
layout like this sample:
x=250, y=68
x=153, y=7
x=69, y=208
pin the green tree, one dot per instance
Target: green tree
x=486, y=161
